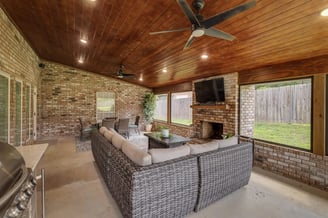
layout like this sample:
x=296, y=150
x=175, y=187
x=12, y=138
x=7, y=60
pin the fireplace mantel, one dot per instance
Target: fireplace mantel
x=217, y=106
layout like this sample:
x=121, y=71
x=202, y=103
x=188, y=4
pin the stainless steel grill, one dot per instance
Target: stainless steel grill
x=16, y=182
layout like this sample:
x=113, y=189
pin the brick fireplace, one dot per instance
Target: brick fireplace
x=225, y=114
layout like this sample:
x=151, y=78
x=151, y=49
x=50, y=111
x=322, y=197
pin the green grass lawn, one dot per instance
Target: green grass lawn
x=296, y=135
x=182, y=121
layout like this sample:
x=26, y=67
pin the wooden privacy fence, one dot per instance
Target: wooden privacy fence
x=180, y=109
x=286, y=104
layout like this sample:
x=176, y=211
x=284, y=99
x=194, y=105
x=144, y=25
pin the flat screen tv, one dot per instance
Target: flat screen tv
x=210, y=91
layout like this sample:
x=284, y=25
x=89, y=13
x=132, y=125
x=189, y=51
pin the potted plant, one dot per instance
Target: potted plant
x=165, y=132
x=149, y=104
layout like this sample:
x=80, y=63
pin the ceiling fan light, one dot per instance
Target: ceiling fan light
x=84, y=41
x=324, y=12
x=204, y=56
x=198, y=32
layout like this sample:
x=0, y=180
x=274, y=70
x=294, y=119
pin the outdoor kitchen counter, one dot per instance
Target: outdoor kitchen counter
x=32, y=154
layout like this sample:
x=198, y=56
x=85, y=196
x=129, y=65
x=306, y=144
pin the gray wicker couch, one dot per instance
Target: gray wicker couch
x=167, y=189
x=222, y=172
x=172, y=188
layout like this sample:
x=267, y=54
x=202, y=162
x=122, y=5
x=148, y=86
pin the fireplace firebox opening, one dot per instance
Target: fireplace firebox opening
x=211, y=130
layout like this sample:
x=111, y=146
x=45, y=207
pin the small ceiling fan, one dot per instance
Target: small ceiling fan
x=200, y=27
x=120, y=74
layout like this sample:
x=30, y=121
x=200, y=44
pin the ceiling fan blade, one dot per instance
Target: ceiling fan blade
x=128, y=75
x=188, y=12
x=169, y=31
x=188, y=43
x=227, y=14
x=219, y=34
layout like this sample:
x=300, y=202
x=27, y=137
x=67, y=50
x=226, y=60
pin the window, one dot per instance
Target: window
x=278, y=112
x=28, y=110
x=105, y=105
x=4, y=107
x=181, y=112
x=18, y=113
x=161, y=107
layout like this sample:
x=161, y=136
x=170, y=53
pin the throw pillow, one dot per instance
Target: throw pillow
x=102, y=130
x=228, y=142
x=118, y=140
x=109, y=135
x=201, y=148
x=135, y=154
x=163, y=154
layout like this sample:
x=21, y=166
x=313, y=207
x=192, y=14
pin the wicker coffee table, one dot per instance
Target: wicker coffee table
x=157, y=141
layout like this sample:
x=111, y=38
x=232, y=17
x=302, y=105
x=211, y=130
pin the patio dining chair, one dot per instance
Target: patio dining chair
x=85, y=129
x=108, y=123
x=123, y=127
x=135, y=126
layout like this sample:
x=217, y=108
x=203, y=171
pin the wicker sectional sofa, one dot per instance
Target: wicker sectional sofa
x=173, y=188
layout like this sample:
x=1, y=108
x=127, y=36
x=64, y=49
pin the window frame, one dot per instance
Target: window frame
x=326, y=121
x=168, y=115
x=9, y=102
x=169, y=109
x=114, y=97
x=179, y=124
x=21, y=111
x=28, y=118
x=271, y=142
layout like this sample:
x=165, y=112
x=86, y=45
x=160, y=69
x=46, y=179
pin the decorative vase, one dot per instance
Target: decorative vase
x=148, y=127
x=165, y=133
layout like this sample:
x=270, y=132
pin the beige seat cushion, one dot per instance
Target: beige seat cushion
x=118, y=140
x=140, y=141
x=109, y=135
x=163, y=154
x=135, y=154
x=113, y=130
x=201, y=148
x=228, y=142
x=103, y=129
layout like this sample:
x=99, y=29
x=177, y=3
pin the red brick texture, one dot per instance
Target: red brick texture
x=69, y=93
x=20, y=62
x=300, y=165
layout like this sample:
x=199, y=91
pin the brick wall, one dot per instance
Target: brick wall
x=68, y=93
x=20, y=62
x=247, y=105
x=176, y=129
x=300, y=165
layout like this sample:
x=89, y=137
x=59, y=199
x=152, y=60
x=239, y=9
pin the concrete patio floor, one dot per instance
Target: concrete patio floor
x=75, y=189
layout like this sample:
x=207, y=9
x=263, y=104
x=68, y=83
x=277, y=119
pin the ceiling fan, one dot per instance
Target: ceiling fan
x=120, y=74
x=201, y=26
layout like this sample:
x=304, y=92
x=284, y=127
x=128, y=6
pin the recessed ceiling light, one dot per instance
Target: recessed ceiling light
x=324, y=12
x=80, y=61
x=141, y=77
x=84, y=41
x=164, y=70
x=204, y=56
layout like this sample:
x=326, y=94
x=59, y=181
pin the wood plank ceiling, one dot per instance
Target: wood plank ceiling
x=118, y=32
